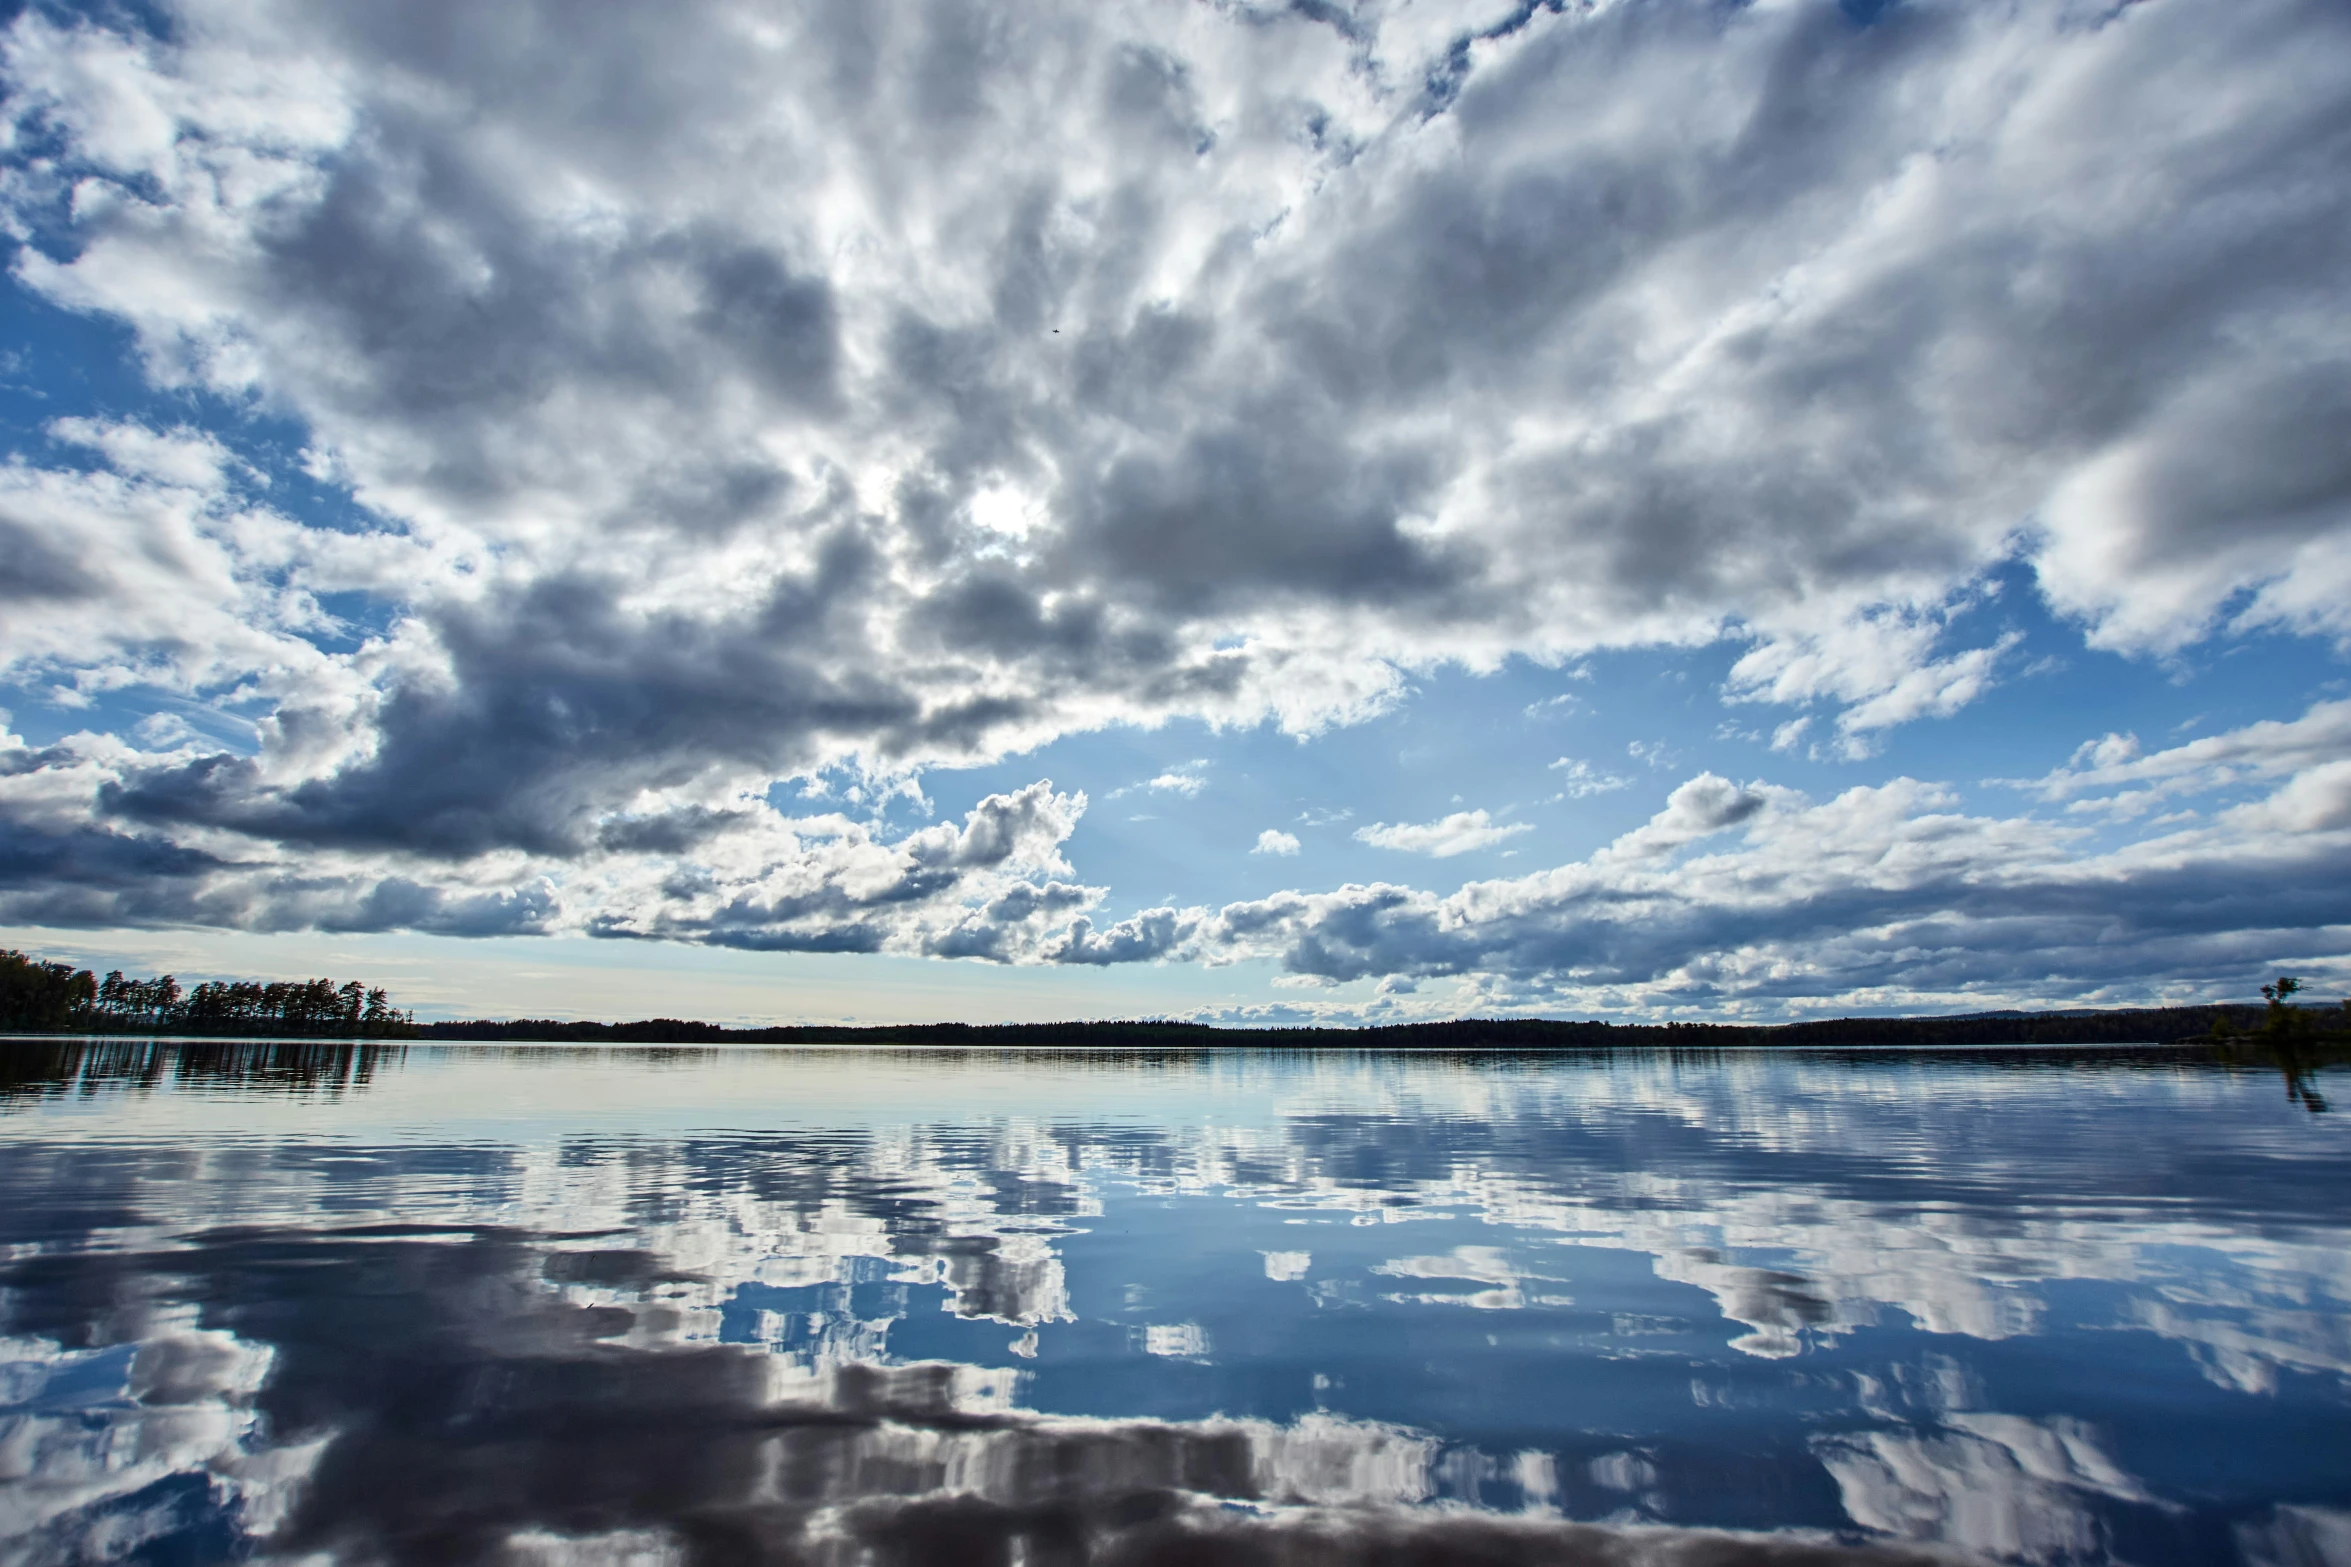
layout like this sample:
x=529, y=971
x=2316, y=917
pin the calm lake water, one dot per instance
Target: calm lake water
x=425, y=1304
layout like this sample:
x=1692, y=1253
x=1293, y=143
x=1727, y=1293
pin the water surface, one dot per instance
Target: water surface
x=427, y=1304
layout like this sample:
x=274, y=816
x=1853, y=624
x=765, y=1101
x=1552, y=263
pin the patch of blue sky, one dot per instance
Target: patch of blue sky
x=146, y=715
x=61, y=364
x=355, y=618
x=58, y=363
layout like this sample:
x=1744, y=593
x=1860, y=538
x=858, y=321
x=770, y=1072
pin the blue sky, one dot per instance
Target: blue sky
x=764, y=512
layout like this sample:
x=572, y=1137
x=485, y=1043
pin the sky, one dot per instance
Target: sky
x=1345, y=512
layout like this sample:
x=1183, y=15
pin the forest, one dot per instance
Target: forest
x=49, y=997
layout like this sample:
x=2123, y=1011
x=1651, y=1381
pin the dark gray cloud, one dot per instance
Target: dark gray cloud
x=90, y=877
x=553, y=707
x=1277, y=504
x=32, y=566
x=95, y=859
x=669, y=832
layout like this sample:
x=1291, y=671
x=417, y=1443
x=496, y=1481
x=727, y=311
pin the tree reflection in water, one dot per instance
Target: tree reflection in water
x=36, y=1068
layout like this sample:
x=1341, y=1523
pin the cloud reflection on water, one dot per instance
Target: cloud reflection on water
x=496, y=1420
x=718, y=1345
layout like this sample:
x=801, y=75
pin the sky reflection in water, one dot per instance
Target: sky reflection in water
x=428, y=1305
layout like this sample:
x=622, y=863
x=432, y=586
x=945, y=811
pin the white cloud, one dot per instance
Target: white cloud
x=187, y=458
x=2234, y=483
x=1580, y=780
x=1185, y=780
x=1274, y=841
x=1445, y=837
x=1881, y=890
x=2269, y=749
x=1882, y=663
x=149, y=574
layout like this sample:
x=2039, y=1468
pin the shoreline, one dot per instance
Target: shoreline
x=2136, y=1028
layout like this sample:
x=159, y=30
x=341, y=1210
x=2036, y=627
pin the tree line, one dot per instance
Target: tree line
x=37, y=996
x=40, y=997
x=2118, y=1026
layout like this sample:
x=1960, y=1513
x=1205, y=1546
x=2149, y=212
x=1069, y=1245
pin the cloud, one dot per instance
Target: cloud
x=188, y=459
x=1447, y=836
x=725, y=398
x=1184, y=779
x=2234, y=485
x=1882, y=663
x=1884, y=890
x=1740, y=897
x=1580, y=780
x=1274, y=841
x=1705, y=805
x=153, y=573
x=738, y=874
x=1149, y=936
x=2270, y=749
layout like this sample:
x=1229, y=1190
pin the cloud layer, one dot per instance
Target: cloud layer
x=729, y=393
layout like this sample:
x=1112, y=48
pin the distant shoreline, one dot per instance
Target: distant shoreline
x=1236, y=1041
x=2137, y=1026
x=2129, y=1026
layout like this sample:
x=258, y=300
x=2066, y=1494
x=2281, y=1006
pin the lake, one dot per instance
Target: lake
x=409, y=1303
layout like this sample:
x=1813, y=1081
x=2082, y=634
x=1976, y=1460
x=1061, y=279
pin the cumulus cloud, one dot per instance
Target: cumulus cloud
x=742, y=875
x=1699, y=808
x=1886, y=893
x=2270, y=749
x=731, y=393
x=1443, y=838
x=1274, y=841
x=1882, y=890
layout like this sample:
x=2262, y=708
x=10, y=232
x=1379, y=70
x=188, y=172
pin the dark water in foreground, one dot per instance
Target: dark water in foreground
x=547, y=1305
